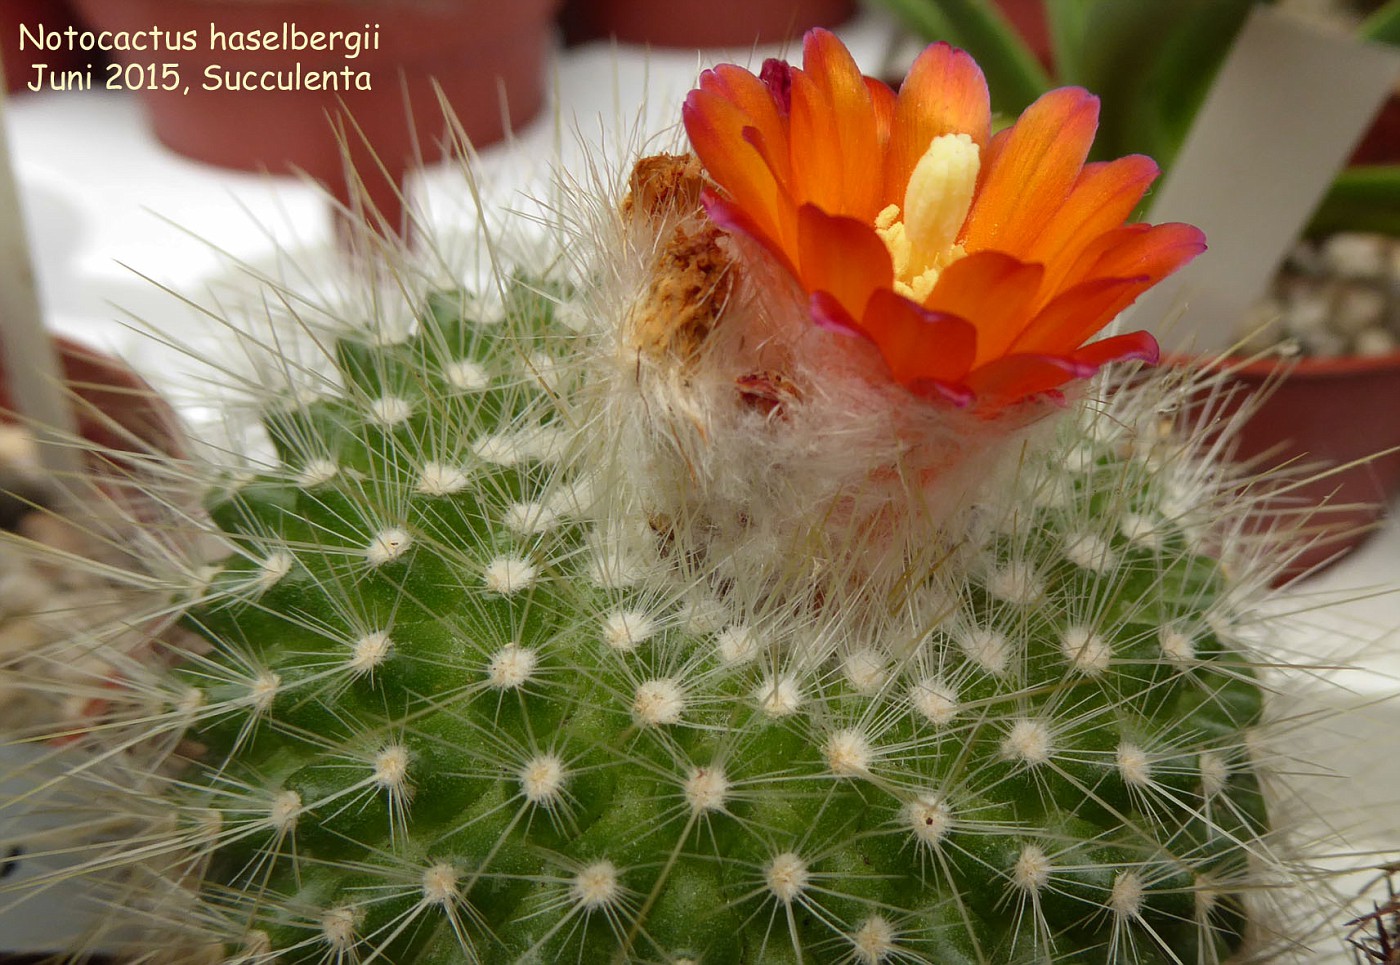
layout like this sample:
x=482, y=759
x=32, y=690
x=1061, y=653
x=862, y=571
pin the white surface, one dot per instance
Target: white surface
x=105, y=204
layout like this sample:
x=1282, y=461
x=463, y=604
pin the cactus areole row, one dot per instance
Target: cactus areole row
x=790, y=594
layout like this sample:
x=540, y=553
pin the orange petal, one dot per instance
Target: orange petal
x=1101, y=200
x=841, y=256
x=1015, y=377
x=1119, y=266
x=993, y=290
x=1077, y=315
x=734, y=219
x=882, y=100
x=716, y=128
x=944, y=93
x=834, y=142
x=1154, y=251
x=1131, y=345
x=919, y=346
x=1031, y=172
x=1151, y=250
x=754, y=99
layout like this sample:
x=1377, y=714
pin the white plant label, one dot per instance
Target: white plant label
x=1289, y=105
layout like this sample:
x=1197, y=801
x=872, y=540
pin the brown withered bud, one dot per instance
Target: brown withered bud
x=690, y=278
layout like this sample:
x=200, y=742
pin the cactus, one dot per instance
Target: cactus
x=610, y=611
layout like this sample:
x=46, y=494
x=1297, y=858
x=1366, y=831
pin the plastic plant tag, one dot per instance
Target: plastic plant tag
x=41, y=909
x=1287, y=108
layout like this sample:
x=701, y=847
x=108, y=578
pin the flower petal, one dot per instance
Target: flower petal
x=919, y=345
x=1138, y=249
x=1119, y=348
x=1031, y=172
x=1102, y=199
x=1076, y=315
x=841, y=256
x=992, y=290
x=1012, y=378
x=834, y=140
x=736, y=220
x=944, y=93
x=716, y=127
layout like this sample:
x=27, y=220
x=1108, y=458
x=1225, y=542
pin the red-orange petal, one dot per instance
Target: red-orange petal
x=754, y=99
x=736, y=220
x=1010, y=379
x=994, y=291
x=919, y=346
x=1076, y=315
x=1130, y=345
x=1119, y=266
x=882, y=101
x=834, y=141
x=841, y=256
x=1154, y=251
x=716, y=128
x=944, y=93
x=1032, y=172
x=1102, y=199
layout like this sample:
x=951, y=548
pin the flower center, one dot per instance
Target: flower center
x=922, y=238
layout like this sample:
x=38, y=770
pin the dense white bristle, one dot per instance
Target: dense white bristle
x=509, y=574
x=658, y=702
x=597, y=886
x=542, y=780
x=624, y=630
x=786, y=877
x=1029, y=741
x=388, y=545
x=511, y=667
x=706, y=789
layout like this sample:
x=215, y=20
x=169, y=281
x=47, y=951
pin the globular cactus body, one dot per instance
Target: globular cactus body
x=443, y=723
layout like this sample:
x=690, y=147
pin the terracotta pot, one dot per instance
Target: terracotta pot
x=1028, y=17
x=482, y=57
x=701, y=23
x=1332, y=412
x=115, y=408
x=53, y=15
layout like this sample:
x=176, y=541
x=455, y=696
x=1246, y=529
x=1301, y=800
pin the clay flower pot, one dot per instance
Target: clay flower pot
x=53, y=15
x=1337, y=414
x=116, y=410
x=701, y=23
x=483, y=58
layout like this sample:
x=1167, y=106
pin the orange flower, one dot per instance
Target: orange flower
x=977, y=265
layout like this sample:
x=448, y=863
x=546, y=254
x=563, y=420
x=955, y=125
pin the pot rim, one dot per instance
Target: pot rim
x=1301, y=367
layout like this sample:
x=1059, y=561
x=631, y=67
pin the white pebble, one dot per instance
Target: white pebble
x=1375, y=342
x=1355, y=255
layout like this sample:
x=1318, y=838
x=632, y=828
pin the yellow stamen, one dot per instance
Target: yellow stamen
x=936, y=201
